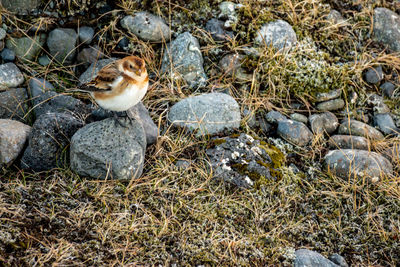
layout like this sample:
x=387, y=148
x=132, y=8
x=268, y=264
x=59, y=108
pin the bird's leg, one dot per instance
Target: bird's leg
x=129, y=117
x=117, y=119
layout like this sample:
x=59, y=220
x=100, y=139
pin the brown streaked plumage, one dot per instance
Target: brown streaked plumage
x=120, y=85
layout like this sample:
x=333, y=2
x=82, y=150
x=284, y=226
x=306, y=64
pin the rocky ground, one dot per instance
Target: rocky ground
x=269, y=134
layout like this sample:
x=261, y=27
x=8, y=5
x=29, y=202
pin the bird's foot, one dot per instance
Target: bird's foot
x=122, y=114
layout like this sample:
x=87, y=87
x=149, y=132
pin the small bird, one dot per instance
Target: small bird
x=120, y=85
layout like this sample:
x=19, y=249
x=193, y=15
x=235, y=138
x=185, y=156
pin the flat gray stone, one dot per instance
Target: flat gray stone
x=349, y=142
x=324, y=122
x=373, y=75
x=93, y=69
x=209, y=113
x=299, y=117
x=21, y=7
x=186, y=58
x=388, y=89
x=386, y=124
x=104, y=149
x=325, y=96
x=49, y=140
x=62, y=44
x=294, y=132
x=274, y=117
x=308, y=258
x=331, y=105
x=27, y=48
x=14, y=104
x=13, y=135
x=347, y=163
x=387, y=28
x=85, y=34
x=353, y=127
x=147, y=27
x=90, y=55
x=279, y=34
x=10, y=76
x=7, y=55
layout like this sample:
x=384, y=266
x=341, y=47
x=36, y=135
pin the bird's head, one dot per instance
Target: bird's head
x=134, y=67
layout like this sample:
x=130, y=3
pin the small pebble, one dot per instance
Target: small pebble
x=373, y=75
x=388, y=89
x=86, y=34
x=8, y=55
x=299, y=117
x=330, y=105
x=123, y=43
x=2, y=34
x=44, y=60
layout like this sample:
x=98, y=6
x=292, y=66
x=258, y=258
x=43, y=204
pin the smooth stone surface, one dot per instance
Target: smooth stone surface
x=209, y=113
x=186, y=58
x=3, y=34
x=138, y=112
x=93, y=69
x=325, y=96
x=13, y=104
x=294, y=132
x=49, y=140
x=90, y=55
x=7, y=55
x=347, y=163
x=299, y=117
x=10, y=76
x=231, y=65
x=388, y=89
x=147, y=27
x=21, y=7
x=386, y=124
x=13, y=135
x=324, y=122
x=27, y=48
x=216, y=28
x=279, y=34
x=85, y=34
x=349, y=142
x=373, y=75
x=353, y=127
x=331, y=105
x=387, y=28
x=274, y=117
x=105, y=149
x=308, y=258
x=44, y=60
x=339, y=260
x=335, y=17
x=62, y=44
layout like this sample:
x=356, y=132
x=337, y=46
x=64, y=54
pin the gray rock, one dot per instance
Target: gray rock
x=331, y=105
x=90, y=55
x=44, y=60
x=241, y=161
x=49, y=140
x=13, y=104
x=324, y=122
x=335, y=17
x=339, y=260
x=386, y=28
x=85, y=34
x=377, y=102
x=3, y=34
x=308, y=258
x=349, y=142
x=183, y=164
x=62, y=44
x=294, y=132
x=353, y=127
x=228, y=13
x=186, y=58
x=93, y=69
x=299, y=117
x=325, y=96
x=21, y=7
x=10, y=76
x=13, y=135
x=274, y=117
x=278, y=33
x=373, y=75
x=147, y=27
x=37, y=86
x=138, y=112
x=209, y=113
x=7, y=55
x=27, y=48
x=231, y=65
x=347, y=163
x=386, y=124
x=388, y=89
x=216, y=28
x=250, y=118
x=104, y=150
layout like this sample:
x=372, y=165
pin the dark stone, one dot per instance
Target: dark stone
x=294, y=132
x=274, y=117
x=48, y=141
x=7, y=55
x=373, y=75
x=339, y=260
x=349, y=142
x=388, y=89
x=386, y=124
x=353, y=127
x=216, y=28
x=13, y=104
x=123, y=43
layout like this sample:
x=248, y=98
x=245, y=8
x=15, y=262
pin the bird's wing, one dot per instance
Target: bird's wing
x=104, y=79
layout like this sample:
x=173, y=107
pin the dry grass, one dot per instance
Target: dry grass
x=184, y=216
